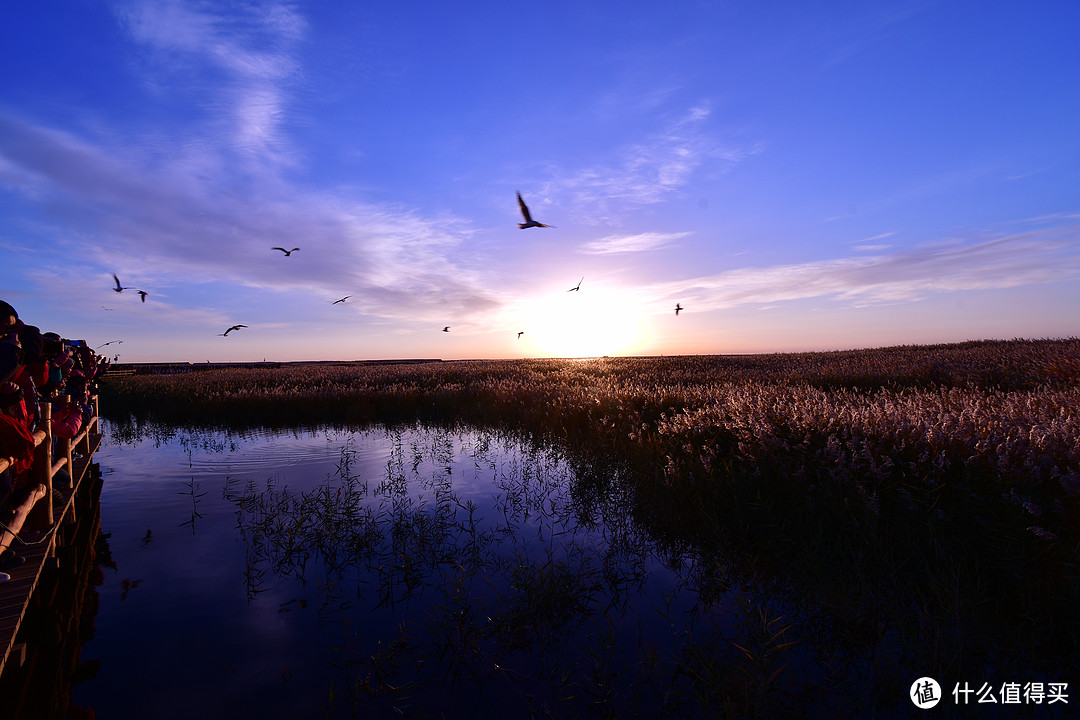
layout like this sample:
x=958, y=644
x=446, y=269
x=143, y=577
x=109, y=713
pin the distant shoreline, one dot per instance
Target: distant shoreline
x=146, y=366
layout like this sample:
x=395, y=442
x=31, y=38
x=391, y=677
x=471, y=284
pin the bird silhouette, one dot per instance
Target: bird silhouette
x=446, y=329
x=110, y=343
x=341, y=300
x=118, y=287
x=520, y=334
x=142, y=295
x=529, y=222
x=105, y=308
x=287, y=252
x=578, y=286
x=234, y=327
x=678, y=307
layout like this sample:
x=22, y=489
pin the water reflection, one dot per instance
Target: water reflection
x=425, y=572
x=475, y=550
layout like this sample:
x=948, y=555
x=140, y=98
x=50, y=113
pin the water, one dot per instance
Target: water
x=420, y=571
x=430, y=572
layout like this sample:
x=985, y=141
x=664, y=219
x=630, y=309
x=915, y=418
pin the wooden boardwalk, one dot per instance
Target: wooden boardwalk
x=54, y=510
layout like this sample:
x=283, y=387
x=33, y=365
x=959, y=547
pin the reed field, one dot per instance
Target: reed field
x=906, y=511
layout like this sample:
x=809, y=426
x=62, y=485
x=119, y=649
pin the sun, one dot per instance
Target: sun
x=593, y=322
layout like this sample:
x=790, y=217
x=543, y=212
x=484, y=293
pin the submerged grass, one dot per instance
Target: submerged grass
x=919, y=505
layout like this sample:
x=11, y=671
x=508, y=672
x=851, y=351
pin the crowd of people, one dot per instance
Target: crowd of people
x=37, y=368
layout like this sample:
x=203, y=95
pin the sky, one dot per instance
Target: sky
x=796, y=176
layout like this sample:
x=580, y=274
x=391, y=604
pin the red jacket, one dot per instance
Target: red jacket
x=16, y=442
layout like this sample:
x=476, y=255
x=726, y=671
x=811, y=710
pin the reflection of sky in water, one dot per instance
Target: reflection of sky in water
x=479, y=576
x=185, y=639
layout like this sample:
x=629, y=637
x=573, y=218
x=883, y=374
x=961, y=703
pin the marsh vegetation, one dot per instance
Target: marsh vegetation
x=859, y=518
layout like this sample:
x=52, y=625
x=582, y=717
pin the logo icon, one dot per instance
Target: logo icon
x=925, y=693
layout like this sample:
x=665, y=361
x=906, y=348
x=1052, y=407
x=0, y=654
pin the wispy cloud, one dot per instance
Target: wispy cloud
x=881, y=236
x=240, y=55
x=869, y=244
x=164, y=223
x=648, y=171
x=851, y=36
x=1021, y=259
x=643, y=242
x=1055, y=219
x=188, y=214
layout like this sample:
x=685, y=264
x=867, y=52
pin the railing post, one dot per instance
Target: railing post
x=63, y=448
x=83, y=446
x=42, y=514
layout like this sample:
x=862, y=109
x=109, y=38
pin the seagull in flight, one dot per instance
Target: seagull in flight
x=110, y=343
x=142, y=295
x=520, y=334
x=678, y=307
x=105, y=308
x=446, y=329
x=118, y=287
x=234, y=327
x=529, y=222
x=341, y=300
x=578, y=286
x=287, y=252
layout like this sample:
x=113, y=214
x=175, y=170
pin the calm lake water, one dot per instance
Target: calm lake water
x=333, y=573
x=433, y=572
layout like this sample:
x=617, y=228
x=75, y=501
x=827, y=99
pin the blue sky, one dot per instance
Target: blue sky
x=798, y=176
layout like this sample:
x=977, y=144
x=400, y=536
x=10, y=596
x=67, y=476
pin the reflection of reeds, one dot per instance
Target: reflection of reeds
x=196, y=496
x=923, y=502
x=492, y=603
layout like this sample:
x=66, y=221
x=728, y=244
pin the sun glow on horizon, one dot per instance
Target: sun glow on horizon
x=592, y=322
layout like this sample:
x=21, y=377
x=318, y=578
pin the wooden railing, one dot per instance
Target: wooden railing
x=32, y=513
x=40, y=553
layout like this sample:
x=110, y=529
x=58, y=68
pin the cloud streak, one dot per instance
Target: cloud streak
x=649, y=171
x=618, y=244
x=182, y=211
x=1011, y=261
x=241, y=60
x=152, y=218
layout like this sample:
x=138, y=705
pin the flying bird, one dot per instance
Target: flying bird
x=105, y=308
x=118, y=287
x=287, y=252
x=520, y=334
x=142, y=295
x=234, y=327
x=529, y=222
x=110, y=343
x=678, y=307
x=446, y=329
x=341, y=300
x=578, y=286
